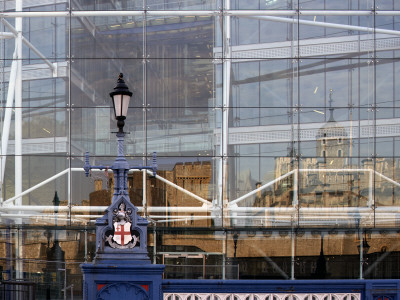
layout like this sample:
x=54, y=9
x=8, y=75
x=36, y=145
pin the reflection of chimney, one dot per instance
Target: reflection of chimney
x=320, y=271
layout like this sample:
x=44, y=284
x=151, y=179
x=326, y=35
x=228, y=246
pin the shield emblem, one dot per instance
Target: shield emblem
x=122, y=233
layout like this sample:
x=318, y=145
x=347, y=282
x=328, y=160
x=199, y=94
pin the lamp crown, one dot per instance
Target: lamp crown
x=121, y=87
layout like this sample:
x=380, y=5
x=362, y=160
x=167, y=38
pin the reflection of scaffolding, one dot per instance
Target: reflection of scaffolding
x=282, y=216
x=344, y=45
x=374, y=39
x=295, y=173
x=308, y=132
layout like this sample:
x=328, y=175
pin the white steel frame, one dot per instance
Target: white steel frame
x=287, y=16
x=221, y=204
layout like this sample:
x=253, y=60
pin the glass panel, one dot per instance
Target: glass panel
x=263, y=36
x=100, y=78
x=43, y=110
x=167, y=203
x=381, y=259
x=260, y=207
x=107, y=37
x=92, y=130
x=181, y=85
x=45, y=41
x=181, y=37
x=182, y=5
x=174, y=130
x=263, y=4
x=338, y=5
x=260, y=254
x=327, y=254
x=33, y=175
x=35, y=5
x=336, y=36
x=200, y=255
x=105, y=5
x=47, y=253
x=386, y=185
x=96, y=190
x=309, y=148
x=386, y=5
x=345, y=82
x=386, y=30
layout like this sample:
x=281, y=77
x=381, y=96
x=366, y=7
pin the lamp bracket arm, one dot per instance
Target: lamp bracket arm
x=87, y=166
x=153, y=167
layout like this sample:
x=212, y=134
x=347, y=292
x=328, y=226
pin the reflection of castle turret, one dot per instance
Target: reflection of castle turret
x=328, y=188
x=332, y=142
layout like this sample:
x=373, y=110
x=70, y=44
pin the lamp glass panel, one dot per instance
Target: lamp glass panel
x=117, y=100
x=125, y=105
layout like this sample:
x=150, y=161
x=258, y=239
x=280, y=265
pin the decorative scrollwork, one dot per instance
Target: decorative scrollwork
x=114, y=245
x=122, y=214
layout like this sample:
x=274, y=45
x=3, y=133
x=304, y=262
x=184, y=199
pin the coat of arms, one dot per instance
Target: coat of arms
x=122, y=236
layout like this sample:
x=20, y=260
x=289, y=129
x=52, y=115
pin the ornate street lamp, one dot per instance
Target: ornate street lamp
x=365, y=246
x=120, y=98
x=122, y=229
x=121, y=266
x=235, y=240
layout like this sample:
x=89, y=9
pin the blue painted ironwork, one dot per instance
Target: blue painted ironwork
x=120, y=168
x=121, y=266
x=281, y=289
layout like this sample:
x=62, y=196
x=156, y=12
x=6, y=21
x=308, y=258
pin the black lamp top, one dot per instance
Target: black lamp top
x=121, y=87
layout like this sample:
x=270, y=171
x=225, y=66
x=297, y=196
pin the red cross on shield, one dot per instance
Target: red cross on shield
x=122, y=233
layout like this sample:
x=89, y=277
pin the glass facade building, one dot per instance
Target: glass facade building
x=276, y=125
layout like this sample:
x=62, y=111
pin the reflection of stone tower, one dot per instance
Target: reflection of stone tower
x=194, y=177
x=332, y=142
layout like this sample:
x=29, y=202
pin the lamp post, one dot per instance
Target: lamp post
x=235, y=240
x=120, y=98
x=121, y=229
x=121, y=266
x=235, y=261
x=363, y=248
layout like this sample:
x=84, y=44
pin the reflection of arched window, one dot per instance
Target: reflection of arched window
x=339, y=153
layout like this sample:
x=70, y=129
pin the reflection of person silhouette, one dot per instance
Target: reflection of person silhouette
x=260, y=201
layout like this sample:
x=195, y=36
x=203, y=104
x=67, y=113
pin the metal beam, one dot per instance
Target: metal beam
x=27, y=43
x=225, y=12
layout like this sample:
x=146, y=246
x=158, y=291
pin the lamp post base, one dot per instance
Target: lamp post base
x=129, y=281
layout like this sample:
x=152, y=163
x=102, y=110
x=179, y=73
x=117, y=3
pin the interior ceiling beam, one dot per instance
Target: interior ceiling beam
x=238, y=13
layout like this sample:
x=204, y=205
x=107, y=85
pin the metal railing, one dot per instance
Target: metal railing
x=17, y=290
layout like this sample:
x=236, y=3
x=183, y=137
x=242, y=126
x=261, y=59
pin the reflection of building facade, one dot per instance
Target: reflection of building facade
x=221, y=89
x=329, y=179
x=193, y=177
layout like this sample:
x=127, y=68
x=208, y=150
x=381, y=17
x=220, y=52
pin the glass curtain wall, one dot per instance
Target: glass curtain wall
x=275, y=123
